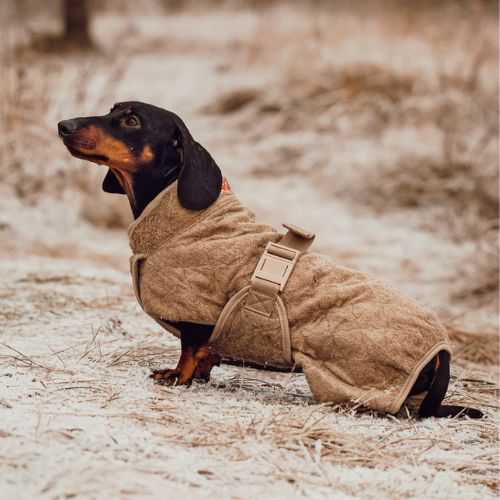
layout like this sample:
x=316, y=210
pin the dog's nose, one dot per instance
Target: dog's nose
x=67, y=127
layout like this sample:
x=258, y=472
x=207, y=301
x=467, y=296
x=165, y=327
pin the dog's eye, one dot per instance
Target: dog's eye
x=131, y=121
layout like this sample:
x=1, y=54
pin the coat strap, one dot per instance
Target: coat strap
x=274, y=268
x=297, y=238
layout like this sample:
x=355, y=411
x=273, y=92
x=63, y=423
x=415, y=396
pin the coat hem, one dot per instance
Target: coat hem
x=167, y=326
x=410, y=381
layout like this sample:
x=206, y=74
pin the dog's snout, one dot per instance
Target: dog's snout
x=67, y=127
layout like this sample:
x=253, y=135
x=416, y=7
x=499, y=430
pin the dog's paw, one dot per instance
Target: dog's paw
x=205, y=366
x=170, y=377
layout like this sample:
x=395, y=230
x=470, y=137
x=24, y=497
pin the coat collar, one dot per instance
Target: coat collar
x=164, y=218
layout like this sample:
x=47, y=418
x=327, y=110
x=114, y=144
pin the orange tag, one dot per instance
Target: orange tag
x=225, y=185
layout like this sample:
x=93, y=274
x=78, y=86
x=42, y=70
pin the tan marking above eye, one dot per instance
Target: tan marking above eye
x=147, y=155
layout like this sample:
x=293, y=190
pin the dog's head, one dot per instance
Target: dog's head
x=146, y=148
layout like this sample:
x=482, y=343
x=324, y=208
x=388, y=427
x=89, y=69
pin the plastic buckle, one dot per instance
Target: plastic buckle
x=276, y=264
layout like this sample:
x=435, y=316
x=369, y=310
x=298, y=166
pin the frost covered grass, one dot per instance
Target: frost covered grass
x=80, y=416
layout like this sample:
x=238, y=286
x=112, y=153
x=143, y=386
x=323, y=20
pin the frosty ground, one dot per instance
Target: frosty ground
x=79, y=415
x=81, y=418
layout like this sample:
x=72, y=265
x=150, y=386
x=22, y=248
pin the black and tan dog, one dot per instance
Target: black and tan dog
x=147, y=149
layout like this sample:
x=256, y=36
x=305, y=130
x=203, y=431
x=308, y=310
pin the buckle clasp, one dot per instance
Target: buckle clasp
x=276, y=264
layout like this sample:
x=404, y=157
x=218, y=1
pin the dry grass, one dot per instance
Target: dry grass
x=76, y=392
x=317, y=89
x=38, y=91
x=477, y=347
x=444, y=113
x=248, y=418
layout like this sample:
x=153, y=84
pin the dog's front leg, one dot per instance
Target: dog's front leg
x=196, y=361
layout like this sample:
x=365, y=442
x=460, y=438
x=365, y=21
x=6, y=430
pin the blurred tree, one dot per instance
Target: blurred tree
x=76, y=23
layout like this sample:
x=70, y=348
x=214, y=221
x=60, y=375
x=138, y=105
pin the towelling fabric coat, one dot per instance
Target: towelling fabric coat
x=355, y=337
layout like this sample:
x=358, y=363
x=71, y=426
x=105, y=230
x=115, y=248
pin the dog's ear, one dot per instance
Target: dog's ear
x=200, y=179
x=110, y=184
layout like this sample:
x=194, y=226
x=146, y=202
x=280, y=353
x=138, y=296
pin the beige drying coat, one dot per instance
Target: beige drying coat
x=355, y=337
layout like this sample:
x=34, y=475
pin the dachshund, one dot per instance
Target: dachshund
x=146, y=149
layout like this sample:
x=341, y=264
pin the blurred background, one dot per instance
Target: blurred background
x=374, y=123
